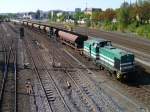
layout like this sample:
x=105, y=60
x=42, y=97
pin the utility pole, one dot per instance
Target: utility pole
x=86, y=6
x=86, y=18
x=124, y=3
x=130, y=3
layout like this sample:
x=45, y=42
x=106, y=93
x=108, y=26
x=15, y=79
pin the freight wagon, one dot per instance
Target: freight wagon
x=69, y=38
x=72, y=40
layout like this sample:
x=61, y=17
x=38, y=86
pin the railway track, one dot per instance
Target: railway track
x=8, y=95
x=54, y=96
x=8, y=90
x=127, y=42
x=139, y=92
x=131, y=44
x=85, y=86
x=84, y=97
x=118, y=39
x=86, y=101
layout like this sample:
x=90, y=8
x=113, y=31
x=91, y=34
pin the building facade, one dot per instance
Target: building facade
x=91, y=10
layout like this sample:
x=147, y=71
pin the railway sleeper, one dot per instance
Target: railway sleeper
x=51, y=99
x=86, y=90
x=49, y=94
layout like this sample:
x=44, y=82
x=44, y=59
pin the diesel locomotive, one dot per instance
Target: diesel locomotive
x=115, y=60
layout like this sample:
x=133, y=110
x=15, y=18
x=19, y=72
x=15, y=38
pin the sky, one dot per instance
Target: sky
x=13, y=6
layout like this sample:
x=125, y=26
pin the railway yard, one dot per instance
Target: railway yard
x=40, y=74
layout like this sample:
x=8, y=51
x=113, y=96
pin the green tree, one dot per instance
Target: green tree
x=144, y=12
x=109, y=14
x=95, y=18
x=63, y=17
x=50, y=16
x=54, y=16
x=79, y=16
x=123, y=16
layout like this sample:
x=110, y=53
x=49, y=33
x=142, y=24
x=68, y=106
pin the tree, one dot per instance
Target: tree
x=63, y=17
x=109, y=14
x=37, y=16
x=143, y=12
x=50, y=16
x=96, y=16
x=79, y=16
x=123, y=16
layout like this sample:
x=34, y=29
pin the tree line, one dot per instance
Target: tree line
x=130, y=17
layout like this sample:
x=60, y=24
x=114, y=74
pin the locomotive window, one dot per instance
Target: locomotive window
x=108, y=43
x=102, y=44
x=95, y=45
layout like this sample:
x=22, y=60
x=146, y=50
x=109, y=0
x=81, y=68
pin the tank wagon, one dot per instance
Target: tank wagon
x=29, y=24
x=15, y=21
x=71, y=39
x=36, y=26
x=42, y=27
x=117, y=61
x=25, y=23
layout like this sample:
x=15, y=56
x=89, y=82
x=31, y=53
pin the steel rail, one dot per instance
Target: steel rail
x=15, y=79
x=37, y=72
x=54, y=83
x=7, y=58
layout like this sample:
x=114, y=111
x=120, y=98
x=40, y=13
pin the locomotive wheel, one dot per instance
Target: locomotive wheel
x=124, y=77
x=119, y=76
x=101, y=67
x=81, y=53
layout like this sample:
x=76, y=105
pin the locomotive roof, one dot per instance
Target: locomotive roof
x=118, y=52
x=96, y=40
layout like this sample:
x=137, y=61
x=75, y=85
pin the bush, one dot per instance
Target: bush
x=144, y=31
x=114, y=27
x=88, y=23
x=132, y=27
x=109, y=26
x=121, y=27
